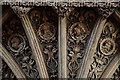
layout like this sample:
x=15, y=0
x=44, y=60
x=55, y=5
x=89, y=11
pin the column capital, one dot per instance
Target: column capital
x=20, y=10
x=63, y=10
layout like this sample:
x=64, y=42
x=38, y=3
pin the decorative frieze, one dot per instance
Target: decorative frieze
x=76, y=3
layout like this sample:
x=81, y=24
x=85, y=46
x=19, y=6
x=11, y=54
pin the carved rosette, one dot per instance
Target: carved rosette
x=15, y=40
x=79, y=24
x=45, y=22
x=106, y=49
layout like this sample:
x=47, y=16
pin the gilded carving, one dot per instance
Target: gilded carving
x=107, y=47
x=16, y=43
x=46, y=31
x=78, y=31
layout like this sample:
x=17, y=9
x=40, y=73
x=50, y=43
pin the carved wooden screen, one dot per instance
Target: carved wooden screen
x=60, y=42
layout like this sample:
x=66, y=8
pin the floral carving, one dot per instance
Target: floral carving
x=52, y=64
x=47, y=34
x=16, y=42
x=46, y=28
x=78, y=32
x=107, y=47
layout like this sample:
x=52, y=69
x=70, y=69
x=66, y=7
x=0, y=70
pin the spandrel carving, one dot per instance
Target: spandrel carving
x=45, y=22
x=106, y=49
x=79, y=29
x=15, y=41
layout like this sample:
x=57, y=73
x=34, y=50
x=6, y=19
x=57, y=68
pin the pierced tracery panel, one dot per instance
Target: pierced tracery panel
x=107, y=48
x=45, y=22
x=79, y=26
x=15, y=41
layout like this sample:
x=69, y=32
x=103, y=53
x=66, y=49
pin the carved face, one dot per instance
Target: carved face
x=16, y=43
x=46, y=31
x=78, y=31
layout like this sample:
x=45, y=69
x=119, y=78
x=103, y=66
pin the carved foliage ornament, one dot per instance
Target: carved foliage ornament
x=16, y=43
x=45, y=23
x=107, y=47
x=47, y=34
x=78, y=32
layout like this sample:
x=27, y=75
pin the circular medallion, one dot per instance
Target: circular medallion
x=46, y=31
x=16, y=43
x=107, y=46
x=78, y=31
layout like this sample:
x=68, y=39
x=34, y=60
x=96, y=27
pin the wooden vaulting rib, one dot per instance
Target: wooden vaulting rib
x=91, y=47
x=115, y=62
x=6, y=56
x=108, y=68
x=27, y=59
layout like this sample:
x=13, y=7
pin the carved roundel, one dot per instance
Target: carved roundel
x=16, y=43
x=107, y=46
x=46, y=31
x=78, y=31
